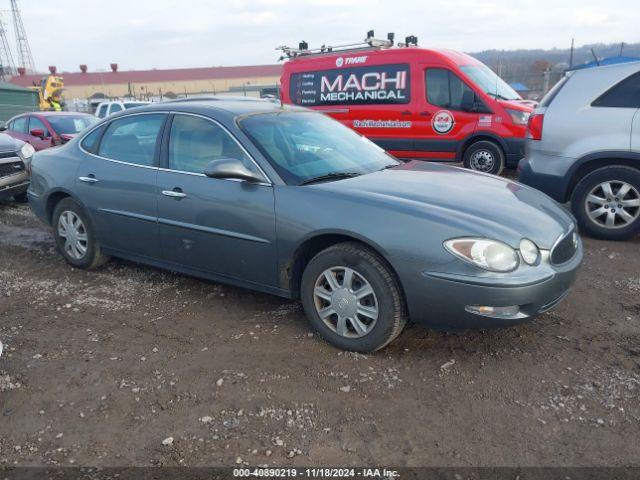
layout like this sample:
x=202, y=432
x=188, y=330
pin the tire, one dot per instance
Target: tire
x=586, y=207
x=386, y=297
x=89, y=256
x=484, y=156
x=21, y=198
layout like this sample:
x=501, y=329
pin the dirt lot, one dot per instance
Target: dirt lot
x=100, y=368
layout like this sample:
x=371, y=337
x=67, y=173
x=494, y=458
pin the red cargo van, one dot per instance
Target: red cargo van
x=416, y=103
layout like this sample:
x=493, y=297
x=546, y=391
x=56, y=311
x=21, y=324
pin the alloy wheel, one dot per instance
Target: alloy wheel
x=482, y=161
x=346, y=302
x=613, y=204
x=71, y=228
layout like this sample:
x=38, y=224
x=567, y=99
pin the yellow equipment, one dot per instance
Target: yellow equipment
x=50, y=92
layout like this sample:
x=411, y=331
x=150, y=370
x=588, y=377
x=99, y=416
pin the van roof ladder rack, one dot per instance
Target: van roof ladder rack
x=369, y=43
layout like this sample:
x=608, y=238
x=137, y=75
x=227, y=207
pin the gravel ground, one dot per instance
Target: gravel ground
x=130, y=365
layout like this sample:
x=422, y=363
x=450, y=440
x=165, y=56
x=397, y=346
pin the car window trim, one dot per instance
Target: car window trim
x=165, y=157
x=106, y=124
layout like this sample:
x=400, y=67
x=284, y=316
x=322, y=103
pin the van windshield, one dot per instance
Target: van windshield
x=490, y=83
x=307, y=147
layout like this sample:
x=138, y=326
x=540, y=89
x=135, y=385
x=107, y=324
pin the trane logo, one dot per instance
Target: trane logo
x=340, y=61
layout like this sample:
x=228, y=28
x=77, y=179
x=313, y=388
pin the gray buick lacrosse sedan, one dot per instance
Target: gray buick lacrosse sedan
x=291, y=202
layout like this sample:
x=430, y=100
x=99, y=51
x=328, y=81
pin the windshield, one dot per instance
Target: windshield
x=303, y=146
x=491, y=83
x=128, y=105
x=71, y=124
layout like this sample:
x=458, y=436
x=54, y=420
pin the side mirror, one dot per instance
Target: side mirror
x=37, y=132
x=231, y=168
x=3, y=126
x=468, y=103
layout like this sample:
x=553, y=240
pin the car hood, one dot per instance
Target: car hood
x=477, y=204
x=9, y=144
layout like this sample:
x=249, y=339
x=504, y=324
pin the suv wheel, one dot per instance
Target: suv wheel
x=75, y=236
x=484, y=156
x=352, y=298
x=607, y=203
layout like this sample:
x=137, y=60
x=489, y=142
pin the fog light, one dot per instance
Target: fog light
x=512, y=311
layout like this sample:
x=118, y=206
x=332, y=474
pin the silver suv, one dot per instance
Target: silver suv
x=583, y=147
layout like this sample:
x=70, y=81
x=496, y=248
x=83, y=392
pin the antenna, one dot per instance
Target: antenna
x=24, y=51
x=7, y=66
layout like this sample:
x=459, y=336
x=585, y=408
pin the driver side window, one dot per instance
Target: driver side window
x=445, y=89
x=196, y=141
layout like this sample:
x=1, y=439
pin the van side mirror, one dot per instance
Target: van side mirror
x=231, y=168
x=468, y=103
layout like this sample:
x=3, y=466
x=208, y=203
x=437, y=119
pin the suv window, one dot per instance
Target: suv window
x=132, y=139
x=36, y=124
x=196, y=141
x=115, y=107
x=625, y=94
x=445, y=89
x=19, y=125
x=102, y=110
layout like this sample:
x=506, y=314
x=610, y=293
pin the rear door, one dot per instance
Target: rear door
x=219, y=226
x=117, y=184
x=441, y=121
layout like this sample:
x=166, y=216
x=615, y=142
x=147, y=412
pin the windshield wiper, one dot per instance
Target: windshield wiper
x=330, y=176
x=387, y=167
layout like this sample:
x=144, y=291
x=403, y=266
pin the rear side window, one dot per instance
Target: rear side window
x=90, y=142
x=116, y=108
x=19, y=125
x=553, y=93
x=371, y=85
x=102, y=111
x=625, y=94
x=445, y=89
x=132, y=139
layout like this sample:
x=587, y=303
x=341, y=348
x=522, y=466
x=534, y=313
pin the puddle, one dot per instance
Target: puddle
x=29, y=238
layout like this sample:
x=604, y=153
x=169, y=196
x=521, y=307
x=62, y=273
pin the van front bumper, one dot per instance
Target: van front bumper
x=451, y=302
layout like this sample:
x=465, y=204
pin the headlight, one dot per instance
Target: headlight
x=529, y=251
x=518, y=116
x=27, y=151
x=487, y=254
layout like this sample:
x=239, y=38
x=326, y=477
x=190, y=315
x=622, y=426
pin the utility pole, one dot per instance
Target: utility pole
x=24, y=51
x=547, y=76
x=571, y=54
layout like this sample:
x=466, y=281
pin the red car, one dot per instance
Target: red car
x=416, y=103
x=48, y=129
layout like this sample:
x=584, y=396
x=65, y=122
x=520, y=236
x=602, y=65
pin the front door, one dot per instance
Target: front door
x=39, y=142
x=441, y=121
x=118, y=185
x=224, y=227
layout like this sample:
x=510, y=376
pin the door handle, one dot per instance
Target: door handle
x=426, y=114
x=174, y=193
x=89, y=179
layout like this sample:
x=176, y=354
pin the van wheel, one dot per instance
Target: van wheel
x=484, y=156
x=352, y=299
x=75, y=236
x=607, y=203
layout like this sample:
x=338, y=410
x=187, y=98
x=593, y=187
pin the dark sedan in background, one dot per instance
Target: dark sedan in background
x=48, y=129
x=290, y=202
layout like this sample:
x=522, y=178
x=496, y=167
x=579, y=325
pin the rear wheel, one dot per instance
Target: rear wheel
x=352, y=298
x=607, y=203
x=75, y=236
x=484, y=156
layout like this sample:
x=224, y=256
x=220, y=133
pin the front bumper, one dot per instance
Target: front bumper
x=11, y=189
x=444, y=297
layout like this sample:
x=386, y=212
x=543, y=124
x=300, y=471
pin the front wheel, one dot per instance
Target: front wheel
x=75, y=236
x=607, y=203
x=484, y=156
x=352, y=299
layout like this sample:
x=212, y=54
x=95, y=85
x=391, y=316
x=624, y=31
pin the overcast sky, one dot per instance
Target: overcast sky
x=140, y=34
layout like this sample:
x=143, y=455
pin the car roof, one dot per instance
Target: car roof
x=60, y=114
x=234, y=107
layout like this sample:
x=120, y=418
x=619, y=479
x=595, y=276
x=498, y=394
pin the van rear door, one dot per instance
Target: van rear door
x=444, y=116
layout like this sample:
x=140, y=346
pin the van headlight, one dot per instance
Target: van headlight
x=27, y=151
x=484, y=253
